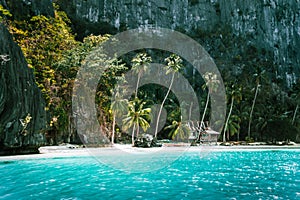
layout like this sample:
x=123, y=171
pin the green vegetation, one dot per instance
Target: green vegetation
x=4, y=14
x=24, y=123
x=211, y=82
x=178, y=130
x=118, y=107
x=140, y=65
x=44, y=40
x=137, y=116
x=260, y=107
x=232, y=122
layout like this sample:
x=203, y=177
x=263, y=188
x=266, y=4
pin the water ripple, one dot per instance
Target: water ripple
x=222, y=175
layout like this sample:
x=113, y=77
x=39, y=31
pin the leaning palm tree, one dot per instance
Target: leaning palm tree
x=235, y=94
x=296, y=97
x=233, y=126
x=211, y=81
x=137, y=117
x=258, y=77
x=174, y=64
x=118, y=107
x=140, y=65
x=295, y=114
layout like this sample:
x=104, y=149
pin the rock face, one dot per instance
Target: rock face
x=27, y=8
x=19, y=97
x=269, y=24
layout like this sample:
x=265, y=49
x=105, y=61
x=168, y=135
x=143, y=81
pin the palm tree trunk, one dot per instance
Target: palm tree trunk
x=137, y=84
x=295, y=114
x=137, y=129
x=190, y=111
x=227, y=135
x=113, y=129
x=162, y=105
x=69, y=129
x=132, y=136
x=238, y=134
x=228, y=117
x=251, y=112
x=202, y=119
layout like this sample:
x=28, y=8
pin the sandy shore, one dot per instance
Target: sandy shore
x=66, y=151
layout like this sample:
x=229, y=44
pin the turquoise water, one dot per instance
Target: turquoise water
x=220, y=175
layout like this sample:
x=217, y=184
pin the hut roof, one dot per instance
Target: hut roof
x=211, y=132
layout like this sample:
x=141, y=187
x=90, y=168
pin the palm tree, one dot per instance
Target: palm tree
x=140, y=64
x=179, y=130
x=259, y=76
x=174, y=64
x=235, y=94
x=211, y=82
x=295, y=114
x=296, y=96
x=233, y=126
x=137, y=117
x=118, y=107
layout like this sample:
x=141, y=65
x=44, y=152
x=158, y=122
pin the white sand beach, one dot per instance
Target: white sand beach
x=66, y=151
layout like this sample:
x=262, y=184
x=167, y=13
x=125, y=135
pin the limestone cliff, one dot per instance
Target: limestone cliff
x=270, y=24
x=19, y=97
x=24, y=9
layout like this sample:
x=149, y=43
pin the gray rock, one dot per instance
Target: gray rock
x=270, y=24
x=19, y=96
x=23, y=9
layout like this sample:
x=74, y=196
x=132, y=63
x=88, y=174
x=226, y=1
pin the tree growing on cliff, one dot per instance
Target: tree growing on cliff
x=4, y=14
x=44, y=41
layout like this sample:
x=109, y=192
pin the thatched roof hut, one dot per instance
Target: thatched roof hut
x=210, y=136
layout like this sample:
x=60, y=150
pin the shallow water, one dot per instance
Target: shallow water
x=219, y=175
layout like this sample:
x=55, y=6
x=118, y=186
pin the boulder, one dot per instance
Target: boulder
x=146, y=141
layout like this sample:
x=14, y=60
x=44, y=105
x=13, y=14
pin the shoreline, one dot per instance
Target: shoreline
x=65, y=151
